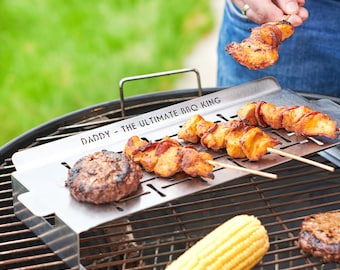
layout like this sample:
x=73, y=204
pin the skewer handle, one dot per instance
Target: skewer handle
x=234, y=167
x=305, y=160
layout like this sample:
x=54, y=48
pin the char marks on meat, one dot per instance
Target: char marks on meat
x=103, y=177
x=320, y=236
x=301, y=120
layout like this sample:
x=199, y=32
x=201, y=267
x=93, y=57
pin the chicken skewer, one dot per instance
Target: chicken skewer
x=301, y=120
x=261, y=49
x=239, y=140
x=168, y=157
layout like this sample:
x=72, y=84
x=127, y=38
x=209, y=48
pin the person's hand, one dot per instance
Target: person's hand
x=262, y=11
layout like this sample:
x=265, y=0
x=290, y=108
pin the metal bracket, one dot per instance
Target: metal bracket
x=153, y=75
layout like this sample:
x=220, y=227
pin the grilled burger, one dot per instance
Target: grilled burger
x=103, y=177
x=320, y=236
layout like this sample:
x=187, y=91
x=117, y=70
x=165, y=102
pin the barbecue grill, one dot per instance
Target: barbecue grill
x=154, y=236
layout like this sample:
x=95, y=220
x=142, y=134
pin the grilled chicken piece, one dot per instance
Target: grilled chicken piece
x=247, y=113
x=168, y=157
x=233, y=139
x=161, y=157
x=260, y=50
x=299, y=119
x=271, y=115
x=203, y=126
x=285, y=27
x=255, y=143
x=169, y=160
x=133, y=144
x=247, y=141
x=214, y=137
x=253, y=54
x=188, y=131
x=262, y=114
x=146, y=156
x=195, y=163
x=269, y=34
x=316, y=124
x=193, y=129
x=292, y=115
x=239, y=140
x=142, y=152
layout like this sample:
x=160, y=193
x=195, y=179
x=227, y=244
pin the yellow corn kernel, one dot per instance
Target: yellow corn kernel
x=239, y=243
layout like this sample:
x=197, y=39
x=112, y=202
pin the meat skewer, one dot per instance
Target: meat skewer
x=168, y=157
x=239, y=140
x=261, y=49
x=301, y=120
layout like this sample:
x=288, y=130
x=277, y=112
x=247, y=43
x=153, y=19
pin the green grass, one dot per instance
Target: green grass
x=57, y=56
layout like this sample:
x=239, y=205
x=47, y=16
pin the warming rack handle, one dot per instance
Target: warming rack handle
x=153, y=75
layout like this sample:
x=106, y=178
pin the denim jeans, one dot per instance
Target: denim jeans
x=309, y=61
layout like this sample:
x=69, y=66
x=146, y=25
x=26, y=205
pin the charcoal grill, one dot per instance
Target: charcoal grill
x=151, y=238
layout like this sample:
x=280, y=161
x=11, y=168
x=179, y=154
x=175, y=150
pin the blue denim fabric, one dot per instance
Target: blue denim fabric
x=309, y=61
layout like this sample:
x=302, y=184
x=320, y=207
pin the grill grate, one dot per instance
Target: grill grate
x=155, y=236
x=162, y=233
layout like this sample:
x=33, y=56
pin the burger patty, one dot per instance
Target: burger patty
x=103, y=177
x=320, y=236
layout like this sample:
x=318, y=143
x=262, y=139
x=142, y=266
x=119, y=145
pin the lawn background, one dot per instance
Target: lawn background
x=57, y=56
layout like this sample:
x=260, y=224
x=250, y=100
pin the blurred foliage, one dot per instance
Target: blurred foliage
x=58, y=56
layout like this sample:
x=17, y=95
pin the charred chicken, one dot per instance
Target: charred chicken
x=261, y=49
x=239, y=140
x=301, y=120
x=168, y=157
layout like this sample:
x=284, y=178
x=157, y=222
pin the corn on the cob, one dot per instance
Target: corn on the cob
x=240, y=243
